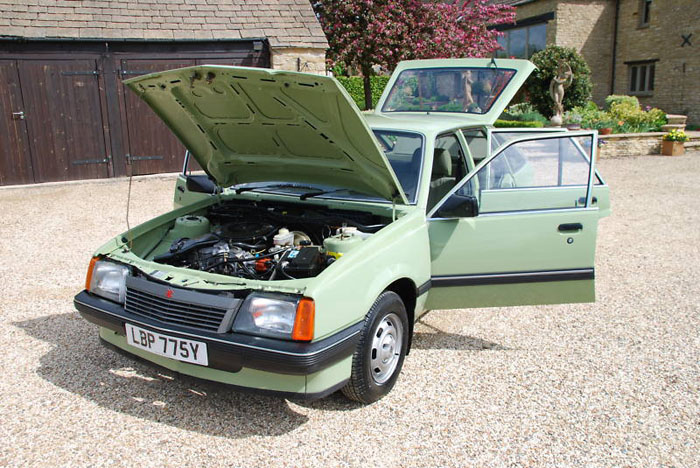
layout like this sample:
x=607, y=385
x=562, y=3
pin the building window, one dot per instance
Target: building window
x=522, y=42
x=644, y=12
x=641, y=78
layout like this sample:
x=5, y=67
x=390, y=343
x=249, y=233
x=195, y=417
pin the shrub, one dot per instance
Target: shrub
x=630, y=117
x=517, y=124
x=521, y=108
x=523, y=112
x=547, y=62
x=590, y=114
x=631, y=101
x=355, y=87
x=623, y=115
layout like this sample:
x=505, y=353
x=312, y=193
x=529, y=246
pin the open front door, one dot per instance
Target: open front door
x=532, y=238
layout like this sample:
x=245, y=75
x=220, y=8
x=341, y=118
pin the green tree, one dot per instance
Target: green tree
x=547, y=62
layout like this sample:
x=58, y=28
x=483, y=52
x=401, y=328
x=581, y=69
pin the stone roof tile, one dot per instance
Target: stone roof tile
x=285, y=23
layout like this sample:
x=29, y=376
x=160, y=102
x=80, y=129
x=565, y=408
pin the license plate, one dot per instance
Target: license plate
x=191, y=351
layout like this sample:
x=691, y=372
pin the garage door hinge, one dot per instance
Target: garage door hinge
x=134, y=72
x=90, y=161
x=77, y=73
x=130, y=158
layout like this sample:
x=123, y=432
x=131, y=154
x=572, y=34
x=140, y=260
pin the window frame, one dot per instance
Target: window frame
x=592, y=173
x=641, y=76
x=644, y=13
x=526, y=28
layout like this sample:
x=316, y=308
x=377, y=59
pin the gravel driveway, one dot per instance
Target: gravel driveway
x=610, y=383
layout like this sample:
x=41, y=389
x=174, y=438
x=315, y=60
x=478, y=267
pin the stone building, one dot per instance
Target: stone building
x=63, y=111
x=646, y=48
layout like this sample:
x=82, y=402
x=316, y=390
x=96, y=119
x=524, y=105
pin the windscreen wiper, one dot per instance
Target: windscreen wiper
x=276, y=186
x=304, y=196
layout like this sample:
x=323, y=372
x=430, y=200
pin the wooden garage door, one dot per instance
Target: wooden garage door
x=151, y=146
x=15, y=160
x=64, y=119
x=64, y=114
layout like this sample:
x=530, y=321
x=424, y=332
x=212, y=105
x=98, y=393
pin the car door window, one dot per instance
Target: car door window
x=536, y=174
x=500, y=137
x=476, y=141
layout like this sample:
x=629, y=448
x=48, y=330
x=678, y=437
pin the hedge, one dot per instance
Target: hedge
x=518, y=123
x=355, y=87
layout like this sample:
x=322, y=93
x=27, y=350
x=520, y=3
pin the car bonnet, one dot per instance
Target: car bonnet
x=251, y=125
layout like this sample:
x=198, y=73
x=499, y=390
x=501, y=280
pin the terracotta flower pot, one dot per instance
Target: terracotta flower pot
x=672, y=148
x=605, y=131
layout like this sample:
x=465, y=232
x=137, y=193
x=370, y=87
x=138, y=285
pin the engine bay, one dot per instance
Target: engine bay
x=262, y=241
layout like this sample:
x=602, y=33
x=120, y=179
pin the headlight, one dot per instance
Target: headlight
x=108, y=280
x=277, y=316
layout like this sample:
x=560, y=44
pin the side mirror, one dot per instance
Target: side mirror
x=201, y=184
x=459, y=206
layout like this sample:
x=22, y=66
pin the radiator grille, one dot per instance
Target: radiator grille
x=143, y=301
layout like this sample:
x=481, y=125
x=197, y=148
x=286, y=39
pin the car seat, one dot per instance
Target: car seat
x=441, y=180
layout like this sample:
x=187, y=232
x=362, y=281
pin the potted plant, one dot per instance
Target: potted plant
x=604, y=127
x=572, y=120
x=672, y=144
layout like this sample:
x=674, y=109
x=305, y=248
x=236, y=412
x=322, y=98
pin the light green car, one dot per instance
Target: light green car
x=299, y=261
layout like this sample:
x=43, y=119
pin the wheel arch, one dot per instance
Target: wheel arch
x=406, y=290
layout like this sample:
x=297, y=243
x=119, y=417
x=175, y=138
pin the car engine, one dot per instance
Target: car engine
x=266, y=242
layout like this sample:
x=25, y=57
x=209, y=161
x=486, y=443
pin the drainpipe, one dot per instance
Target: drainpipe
x=614, y=49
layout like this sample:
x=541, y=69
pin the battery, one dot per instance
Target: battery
x=304, y=262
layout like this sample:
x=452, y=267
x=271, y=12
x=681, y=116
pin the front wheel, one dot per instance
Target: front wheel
x=380, y=352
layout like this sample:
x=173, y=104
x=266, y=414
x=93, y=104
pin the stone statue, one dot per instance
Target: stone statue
x=560, y=82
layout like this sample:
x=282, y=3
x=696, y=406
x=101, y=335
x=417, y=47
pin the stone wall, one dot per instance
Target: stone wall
x=585, y=25
x=677, y=71
x=299, y=59
x=629, y=144
x=588, y=27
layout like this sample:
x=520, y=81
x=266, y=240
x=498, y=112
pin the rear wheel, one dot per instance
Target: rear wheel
x=379, y=355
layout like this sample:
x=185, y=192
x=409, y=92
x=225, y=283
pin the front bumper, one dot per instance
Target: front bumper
x=231, y=352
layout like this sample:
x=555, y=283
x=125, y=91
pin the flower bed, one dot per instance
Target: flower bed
x=622, y=114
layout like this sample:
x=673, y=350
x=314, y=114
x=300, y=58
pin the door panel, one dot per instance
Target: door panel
x=64, y=119
x=533, y=241
x=475, y=260
x=15, y=160
x=152, y=147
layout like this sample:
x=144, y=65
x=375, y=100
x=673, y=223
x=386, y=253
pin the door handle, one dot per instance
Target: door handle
x=582, y=201
x=18, y=115
x=570, y=227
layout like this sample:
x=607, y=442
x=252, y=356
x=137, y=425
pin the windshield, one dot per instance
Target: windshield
x=464, y=90
x=404, y=150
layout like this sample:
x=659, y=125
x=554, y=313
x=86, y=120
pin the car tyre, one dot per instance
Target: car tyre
x=380, y=353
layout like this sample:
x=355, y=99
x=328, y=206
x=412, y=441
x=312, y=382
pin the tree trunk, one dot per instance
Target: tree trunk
x=366, y=73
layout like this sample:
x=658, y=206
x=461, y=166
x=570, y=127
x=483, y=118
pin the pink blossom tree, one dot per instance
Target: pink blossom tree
x=364, y=33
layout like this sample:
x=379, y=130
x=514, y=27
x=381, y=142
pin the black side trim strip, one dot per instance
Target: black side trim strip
x=423, y=288
x=514, y=278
